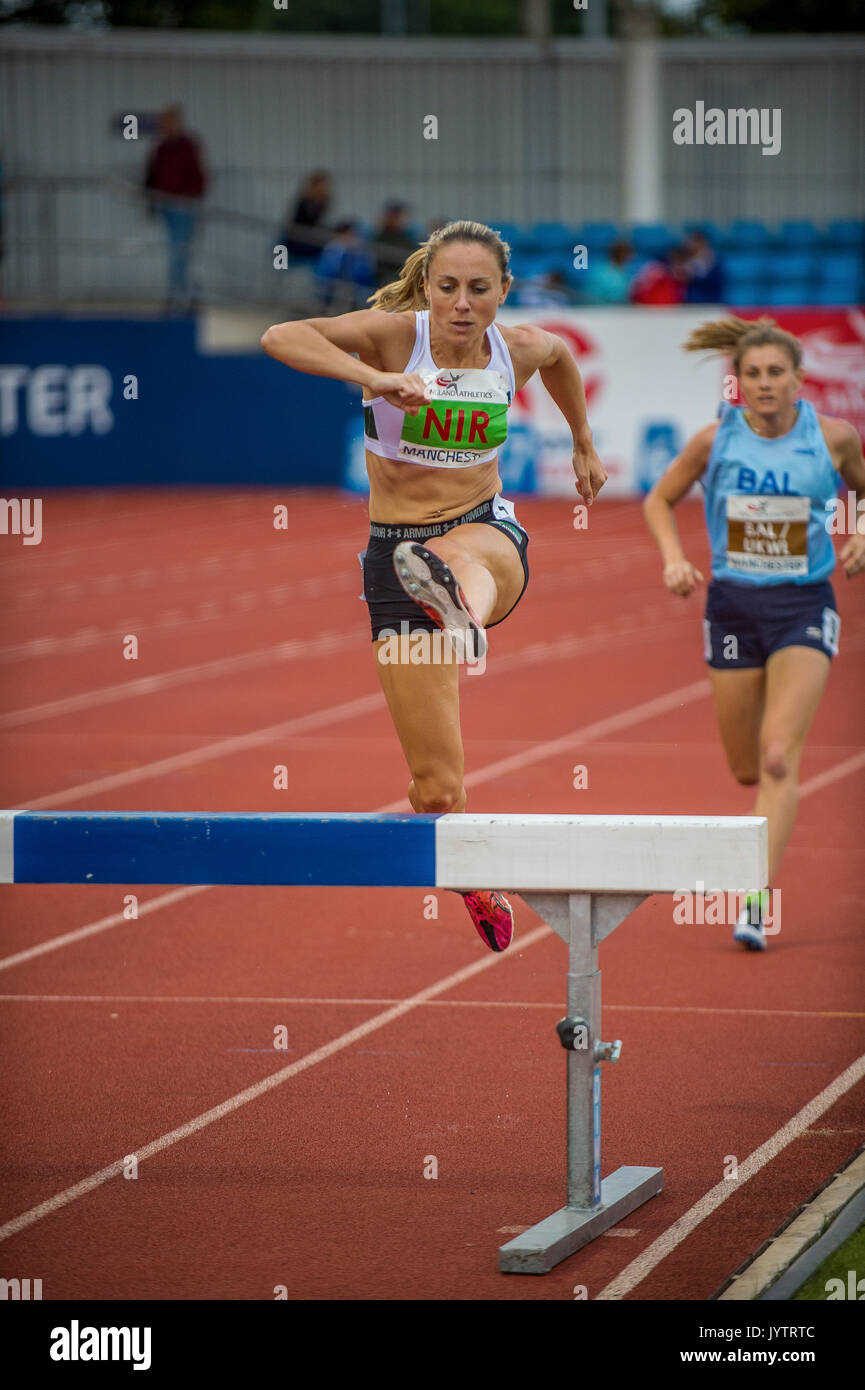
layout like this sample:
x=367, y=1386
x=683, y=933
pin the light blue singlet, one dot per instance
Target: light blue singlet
x=767, y=501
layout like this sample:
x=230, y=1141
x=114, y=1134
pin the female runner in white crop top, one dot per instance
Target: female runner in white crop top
x=467, y=575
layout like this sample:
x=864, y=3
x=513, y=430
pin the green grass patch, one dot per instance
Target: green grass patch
x=850, y=1255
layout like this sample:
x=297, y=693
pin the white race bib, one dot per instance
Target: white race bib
x=768, y=535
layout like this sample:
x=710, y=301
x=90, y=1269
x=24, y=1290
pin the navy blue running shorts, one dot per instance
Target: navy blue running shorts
x=746, y=623
x=389, y=605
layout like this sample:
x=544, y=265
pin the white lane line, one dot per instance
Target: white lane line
x=643, y=625
x=224, y=609
x=93, y=928
x=339, y=1000
x=588, y=733
x=294, y=650
x=335, y=714
x=227, y=1107
x=355, y=708
x=832, y=774
x=162, y=544
x=634, y=1273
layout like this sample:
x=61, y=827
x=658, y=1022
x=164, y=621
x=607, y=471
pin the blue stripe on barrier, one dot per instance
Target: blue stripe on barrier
x=176, y=847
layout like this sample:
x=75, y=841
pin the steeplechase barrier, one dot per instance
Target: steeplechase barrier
x=583, y=875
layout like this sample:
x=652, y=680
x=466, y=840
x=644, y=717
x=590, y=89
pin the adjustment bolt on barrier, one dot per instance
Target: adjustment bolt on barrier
x=573, y=1034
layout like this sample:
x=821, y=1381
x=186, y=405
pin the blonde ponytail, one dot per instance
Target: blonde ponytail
x=735, y=336
x=406, y=292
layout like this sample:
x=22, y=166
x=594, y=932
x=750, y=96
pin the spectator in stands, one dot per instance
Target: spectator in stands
x=705, y=274
x=610, y=281
x=542, y=290
x=175, y=183
x=393, y=243
x=661, y=282
x=306, y=233
x=345, y=269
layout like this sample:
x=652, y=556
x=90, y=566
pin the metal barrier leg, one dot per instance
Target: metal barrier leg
x=583, y=920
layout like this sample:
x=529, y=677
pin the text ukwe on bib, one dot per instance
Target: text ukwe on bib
x=465, y=421
x=768, y=535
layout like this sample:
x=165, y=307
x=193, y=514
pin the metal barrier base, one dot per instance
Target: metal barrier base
x=543, y=1246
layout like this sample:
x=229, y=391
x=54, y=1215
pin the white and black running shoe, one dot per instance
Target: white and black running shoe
x=429, y=581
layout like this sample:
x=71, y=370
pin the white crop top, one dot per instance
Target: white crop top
x=465, y=421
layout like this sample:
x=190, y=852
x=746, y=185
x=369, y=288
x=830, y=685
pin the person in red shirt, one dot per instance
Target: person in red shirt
x=660, y=282
x=176, y=182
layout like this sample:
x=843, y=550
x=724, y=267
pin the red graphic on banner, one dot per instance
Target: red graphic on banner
x=584, y=349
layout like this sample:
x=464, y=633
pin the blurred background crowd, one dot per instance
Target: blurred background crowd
x=595, y=263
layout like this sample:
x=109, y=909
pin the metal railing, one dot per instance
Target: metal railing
x=72, y=240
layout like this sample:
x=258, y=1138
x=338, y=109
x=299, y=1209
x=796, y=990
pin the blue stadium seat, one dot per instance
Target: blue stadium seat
x=792, y=265
x=841, y=275
x=799, y=235
x=743, y=235
x=847, y=233
x=553, y=236
x=653, y=239
x=597, y=236
x=840, y=265
x=741, y=293
x=525, y=265
x=509, y=232
x=798, y=292
x=747, y=265
x=833, y=294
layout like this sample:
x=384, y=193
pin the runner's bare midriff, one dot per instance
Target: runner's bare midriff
x=410, y=494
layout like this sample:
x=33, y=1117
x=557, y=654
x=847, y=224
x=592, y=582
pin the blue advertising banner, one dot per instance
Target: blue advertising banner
x=101, y=401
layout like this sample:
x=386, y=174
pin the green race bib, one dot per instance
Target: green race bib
x=464, y=422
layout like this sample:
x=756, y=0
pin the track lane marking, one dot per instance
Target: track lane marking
x=351, y=709
x=645, y=624
x=94, y=928
x=335, y=714
x=339, y=1000
x=296, y=649
x=260, y=1088
x=634, y=1273
x=832, y=774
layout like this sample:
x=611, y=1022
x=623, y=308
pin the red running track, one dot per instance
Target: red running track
x=404, y=1038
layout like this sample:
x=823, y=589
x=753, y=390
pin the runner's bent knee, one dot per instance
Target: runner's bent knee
x=437, y=791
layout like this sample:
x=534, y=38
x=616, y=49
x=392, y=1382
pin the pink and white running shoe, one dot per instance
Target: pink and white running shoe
x=432, y=584
x=493, y=917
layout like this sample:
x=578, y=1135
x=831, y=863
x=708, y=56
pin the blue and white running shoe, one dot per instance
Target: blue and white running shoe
x=747, y=931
